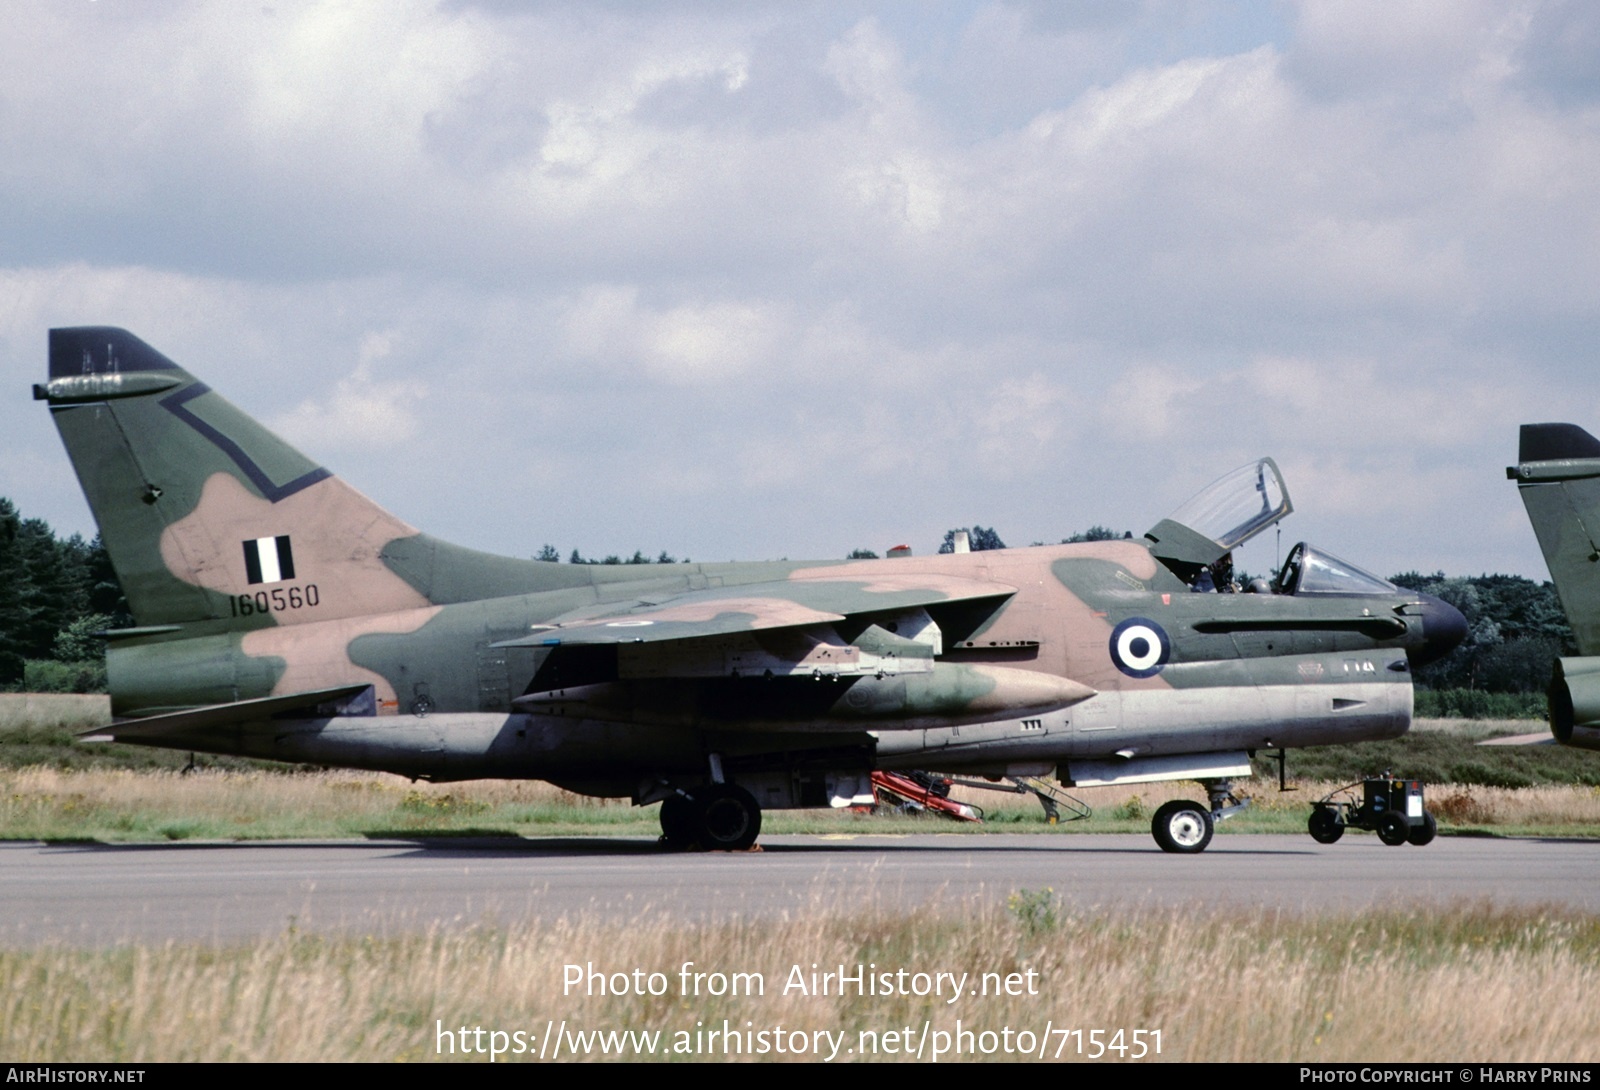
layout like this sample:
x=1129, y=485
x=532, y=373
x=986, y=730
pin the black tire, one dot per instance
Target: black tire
x=1326, y=828
x=1182, y=826
x=1423, y=832
x=1393, y=828
x=729, y=817
x=679, y=823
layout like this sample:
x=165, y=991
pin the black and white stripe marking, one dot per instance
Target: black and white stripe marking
x=268, y=560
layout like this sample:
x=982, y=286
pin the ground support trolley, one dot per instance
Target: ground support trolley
x=1393, y=808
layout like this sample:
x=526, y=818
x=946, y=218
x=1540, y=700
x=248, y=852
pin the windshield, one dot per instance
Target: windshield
x=1311, y=571
x=1237, y=506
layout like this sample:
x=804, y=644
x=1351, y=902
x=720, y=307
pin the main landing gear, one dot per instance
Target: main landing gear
x=718, y=817
x=1186, y=827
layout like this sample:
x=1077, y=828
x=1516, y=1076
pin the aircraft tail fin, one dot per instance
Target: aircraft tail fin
x=209, y=516
x=1558, y=476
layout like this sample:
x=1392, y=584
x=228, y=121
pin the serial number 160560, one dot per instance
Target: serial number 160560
x=275, y=600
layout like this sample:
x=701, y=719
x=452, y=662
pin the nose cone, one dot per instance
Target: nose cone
x=1443, y=627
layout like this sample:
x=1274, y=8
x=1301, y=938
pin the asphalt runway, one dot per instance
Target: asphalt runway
x=94, y=894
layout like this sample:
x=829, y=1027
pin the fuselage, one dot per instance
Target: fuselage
x=1239, y=671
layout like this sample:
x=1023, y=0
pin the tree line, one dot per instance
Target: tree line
x=1516, y=629
x=56, y=594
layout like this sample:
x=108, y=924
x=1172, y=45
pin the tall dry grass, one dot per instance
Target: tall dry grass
x=1472, y=984
x=40, y=803
x=53, y=711
x=1480, y=728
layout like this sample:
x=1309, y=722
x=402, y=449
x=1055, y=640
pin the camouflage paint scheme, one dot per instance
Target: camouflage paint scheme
x=283, y=615
x=1558, y=476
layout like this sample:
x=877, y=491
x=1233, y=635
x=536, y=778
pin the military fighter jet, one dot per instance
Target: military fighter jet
x=1558, y=475
x=281, y=614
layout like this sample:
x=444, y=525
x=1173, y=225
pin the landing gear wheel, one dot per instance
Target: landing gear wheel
x=1424, y=831
x=730, y=818
x=1325, y=826
x=678, y=822
x=1393, y=829
x=1182, y=826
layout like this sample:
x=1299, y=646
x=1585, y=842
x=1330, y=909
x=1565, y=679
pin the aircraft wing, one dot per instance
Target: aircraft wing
x=816, y=626
x=685, y=618
x=761, y=606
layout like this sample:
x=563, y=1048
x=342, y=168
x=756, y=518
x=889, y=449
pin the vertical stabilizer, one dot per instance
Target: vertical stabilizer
x=208, y=516
x=1558, y=475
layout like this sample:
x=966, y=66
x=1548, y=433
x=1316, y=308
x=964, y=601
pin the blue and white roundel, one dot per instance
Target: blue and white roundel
x=1139, y=647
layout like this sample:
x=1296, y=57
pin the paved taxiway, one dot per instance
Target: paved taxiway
x=106, y=893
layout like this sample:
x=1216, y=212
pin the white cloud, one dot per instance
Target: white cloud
x=1012, y=263
x=363, y=410
x=689, y=345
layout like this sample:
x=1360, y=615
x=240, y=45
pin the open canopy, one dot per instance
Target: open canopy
x=1222, y=516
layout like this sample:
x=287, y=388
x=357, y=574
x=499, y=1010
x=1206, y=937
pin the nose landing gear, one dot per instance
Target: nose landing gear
x=1186, y=827
x=1182, y=826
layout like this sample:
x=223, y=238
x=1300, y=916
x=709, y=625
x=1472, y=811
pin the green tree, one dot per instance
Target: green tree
x=104, y=589
x=1515, y=631
x=58, y=579
x=1097, y=533
x=78, y=642
x=18, y=597
x=53, y=595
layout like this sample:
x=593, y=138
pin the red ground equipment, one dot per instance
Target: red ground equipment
x=919, y=791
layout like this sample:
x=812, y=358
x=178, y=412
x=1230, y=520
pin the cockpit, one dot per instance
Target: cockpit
x=1196, y=541
x=1312, y=571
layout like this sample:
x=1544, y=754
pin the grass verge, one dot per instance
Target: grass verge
x=212, y=804
x=1467, y=984
x=53, y=787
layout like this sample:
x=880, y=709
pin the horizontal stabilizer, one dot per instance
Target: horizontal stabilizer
x=1541, y=738
x=219, y=715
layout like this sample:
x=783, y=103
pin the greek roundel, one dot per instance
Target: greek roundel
x=1140, y=647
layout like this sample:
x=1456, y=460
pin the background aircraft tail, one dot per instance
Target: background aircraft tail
x=208, y=516
x=1558, y=475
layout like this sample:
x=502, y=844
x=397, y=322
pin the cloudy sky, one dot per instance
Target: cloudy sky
x=763, y=280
